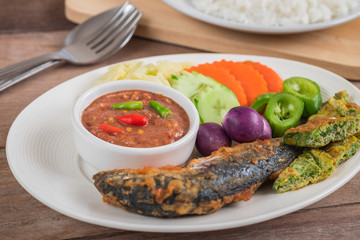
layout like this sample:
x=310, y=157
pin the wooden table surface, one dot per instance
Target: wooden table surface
x=31, y=28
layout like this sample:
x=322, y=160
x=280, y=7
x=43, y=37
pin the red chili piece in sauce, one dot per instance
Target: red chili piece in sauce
x=110, y=129
x=133, y=119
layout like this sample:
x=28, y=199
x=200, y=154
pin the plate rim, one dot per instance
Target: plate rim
x=156, y=228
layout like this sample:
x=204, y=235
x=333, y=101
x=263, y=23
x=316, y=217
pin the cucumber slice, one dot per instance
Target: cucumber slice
x=214, y=105
x=193, y=85
x=212, y=99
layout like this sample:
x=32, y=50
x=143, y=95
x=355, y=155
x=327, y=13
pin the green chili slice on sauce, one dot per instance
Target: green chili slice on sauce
x=163, y=111
x=135, y=105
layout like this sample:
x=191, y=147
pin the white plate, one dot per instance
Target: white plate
x=187, y=8
x=42, y=157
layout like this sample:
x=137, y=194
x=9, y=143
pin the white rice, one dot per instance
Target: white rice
x=277, y=12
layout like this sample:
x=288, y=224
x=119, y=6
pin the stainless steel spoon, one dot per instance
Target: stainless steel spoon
x=97, y=38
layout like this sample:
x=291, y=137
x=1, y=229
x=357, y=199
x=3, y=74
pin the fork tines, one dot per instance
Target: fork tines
x=120, y=27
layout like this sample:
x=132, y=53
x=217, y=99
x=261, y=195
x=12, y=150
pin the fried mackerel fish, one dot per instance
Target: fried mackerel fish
x=203, y=186
x=316, y=164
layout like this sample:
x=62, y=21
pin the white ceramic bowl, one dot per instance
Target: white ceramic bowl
x=106, y=156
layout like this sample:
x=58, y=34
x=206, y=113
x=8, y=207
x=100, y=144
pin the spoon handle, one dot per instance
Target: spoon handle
x=11, y=80
x=28, y=64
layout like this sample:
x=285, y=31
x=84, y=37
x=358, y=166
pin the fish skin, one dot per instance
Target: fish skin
x=203, y=186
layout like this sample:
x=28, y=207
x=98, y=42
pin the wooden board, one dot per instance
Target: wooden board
x=336, y=49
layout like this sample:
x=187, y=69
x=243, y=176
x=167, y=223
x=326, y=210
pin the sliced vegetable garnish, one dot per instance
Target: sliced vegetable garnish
x=163, y=111
x=214, y=105
x=283, y=111
x=135, y=105
x=273, y=80
x=260, y=102
x=307, y=90
x=212, y=99
x=193, y=84
x=133, y=119
x=222, y=76
x=109, y=129
x=251, y=80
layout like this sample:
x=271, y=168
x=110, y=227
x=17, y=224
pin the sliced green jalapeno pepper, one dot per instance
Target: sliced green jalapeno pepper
x=260, y=102
x=283, y=111
x=307, y=90
x=135, y=105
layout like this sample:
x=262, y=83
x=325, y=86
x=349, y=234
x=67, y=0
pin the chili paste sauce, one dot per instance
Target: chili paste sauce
x=157, y=131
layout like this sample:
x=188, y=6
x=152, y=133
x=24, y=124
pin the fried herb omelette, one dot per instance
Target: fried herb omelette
x=336, y=122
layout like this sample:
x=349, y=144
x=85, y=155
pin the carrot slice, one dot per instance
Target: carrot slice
x=273, y=80
x=223, y=77
x=251, y=80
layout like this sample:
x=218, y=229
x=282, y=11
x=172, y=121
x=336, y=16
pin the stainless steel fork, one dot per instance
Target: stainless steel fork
x=102, y=43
